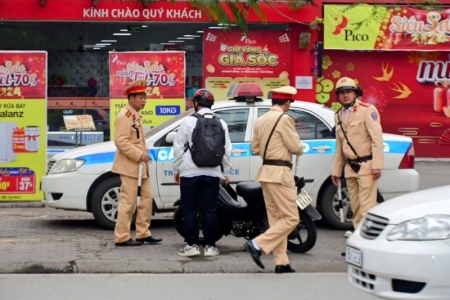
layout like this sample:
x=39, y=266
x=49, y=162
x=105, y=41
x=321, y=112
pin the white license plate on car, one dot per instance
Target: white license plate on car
x=303, y=199
x=353, y=256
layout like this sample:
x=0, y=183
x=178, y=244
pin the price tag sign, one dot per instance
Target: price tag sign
x=17, y=181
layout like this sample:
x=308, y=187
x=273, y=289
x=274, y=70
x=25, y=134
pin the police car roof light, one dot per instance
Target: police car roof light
x=245, y=90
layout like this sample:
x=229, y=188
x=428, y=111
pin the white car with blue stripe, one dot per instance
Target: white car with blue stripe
x=81, y=178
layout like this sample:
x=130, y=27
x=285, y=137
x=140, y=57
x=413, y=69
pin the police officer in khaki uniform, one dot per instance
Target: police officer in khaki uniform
x=359, y=145
x=276, y=178
x=131, y=151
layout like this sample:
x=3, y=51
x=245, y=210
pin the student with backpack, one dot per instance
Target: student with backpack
x=202, y=150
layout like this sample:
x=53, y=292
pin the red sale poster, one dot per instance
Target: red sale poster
x=23, y=123
x=165, y=75
x=230, y=57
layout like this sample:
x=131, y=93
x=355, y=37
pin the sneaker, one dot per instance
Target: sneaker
x=189, y=250
x=211, y=251
x=348, y=234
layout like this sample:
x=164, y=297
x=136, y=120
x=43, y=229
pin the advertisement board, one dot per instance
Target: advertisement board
x=410, y=89
x=134, y=11
x=165, y=75
x=23, y=124
x=385, y=27
x=231, y=57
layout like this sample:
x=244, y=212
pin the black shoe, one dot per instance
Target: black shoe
x=130, y=242
x=255, y=254
x=149, y=240
x=279, y=269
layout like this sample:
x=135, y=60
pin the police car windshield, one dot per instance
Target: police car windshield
x=157, y=129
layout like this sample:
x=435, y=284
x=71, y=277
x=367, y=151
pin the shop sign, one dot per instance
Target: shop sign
x=369, y=27
x=410, y=89
x=117, y=10
x=165, y=75
x=231, y=57
x=23, y=123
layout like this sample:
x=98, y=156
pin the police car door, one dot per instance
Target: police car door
x=318, y=148
x=239, y=128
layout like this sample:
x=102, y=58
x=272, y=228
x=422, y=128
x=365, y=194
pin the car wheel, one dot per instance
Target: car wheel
x=105, y=203
x=329, y=207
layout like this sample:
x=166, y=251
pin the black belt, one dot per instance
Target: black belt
x=361, y=159
x=277, y=162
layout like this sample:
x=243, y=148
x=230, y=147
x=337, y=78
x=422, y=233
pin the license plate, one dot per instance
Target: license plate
x=353, y=256
x=303, y=200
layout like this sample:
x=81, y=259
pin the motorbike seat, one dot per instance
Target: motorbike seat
x=250, y=191
x=227, y=201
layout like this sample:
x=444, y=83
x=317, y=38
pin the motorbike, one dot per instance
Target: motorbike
x=249, y=219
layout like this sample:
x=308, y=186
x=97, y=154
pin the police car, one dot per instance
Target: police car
x=81, y=178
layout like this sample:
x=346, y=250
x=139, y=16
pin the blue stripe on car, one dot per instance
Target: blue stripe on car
x=316, y=147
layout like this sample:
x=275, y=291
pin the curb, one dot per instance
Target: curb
x=32, y=204
x=86, y=266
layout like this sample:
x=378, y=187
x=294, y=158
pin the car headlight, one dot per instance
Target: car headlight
x=431, y=227
x=66, y=165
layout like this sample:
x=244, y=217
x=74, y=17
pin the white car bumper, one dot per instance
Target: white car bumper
x=398, y=269
x=67, y=190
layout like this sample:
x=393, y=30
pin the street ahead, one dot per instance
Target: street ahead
x=317, y=286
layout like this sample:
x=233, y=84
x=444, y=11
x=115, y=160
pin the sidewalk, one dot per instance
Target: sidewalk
x=44, y=240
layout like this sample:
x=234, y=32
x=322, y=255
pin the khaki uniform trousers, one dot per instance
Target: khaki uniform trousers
x=127, y=205
x=363, y=196
x=283, y=216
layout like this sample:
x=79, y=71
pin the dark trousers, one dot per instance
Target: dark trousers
x=200, y=192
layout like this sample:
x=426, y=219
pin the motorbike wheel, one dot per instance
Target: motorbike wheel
x=178, y=222
x=304, y=236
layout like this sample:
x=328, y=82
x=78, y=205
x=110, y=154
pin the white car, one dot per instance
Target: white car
x=81, y=178
x=401, y=250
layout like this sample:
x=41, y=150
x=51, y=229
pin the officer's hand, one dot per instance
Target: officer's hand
x=226, y=181
x=177, y=178
x=145, y=157
x=335, y=180
x=376, y=174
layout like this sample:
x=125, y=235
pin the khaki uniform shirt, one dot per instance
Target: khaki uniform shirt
x=129, y=147
x=363, y=129
x=284, y=141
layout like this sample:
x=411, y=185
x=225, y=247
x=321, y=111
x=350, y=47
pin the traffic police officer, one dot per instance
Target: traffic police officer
x=359, y=145
x=131, y=151
x=275, y=139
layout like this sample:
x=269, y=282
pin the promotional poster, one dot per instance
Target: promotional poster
x=231, y=58
x=165, y=75
x=411, y=90
x=23, y=124
x=385, y=27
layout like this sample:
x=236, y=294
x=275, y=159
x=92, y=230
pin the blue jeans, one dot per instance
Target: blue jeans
x=203, y=192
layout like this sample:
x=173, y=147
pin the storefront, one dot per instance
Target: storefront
x=400, y=56
x=80, y=38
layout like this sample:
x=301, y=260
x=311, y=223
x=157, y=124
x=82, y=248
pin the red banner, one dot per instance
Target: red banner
x=231, y=58
x=117, y=10
x=23, y=75
x=410, y=89
x=164, y=72
x=414, y=29
x=17, y=181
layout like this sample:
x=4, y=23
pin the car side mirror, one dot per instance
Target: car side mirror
x=170, y=137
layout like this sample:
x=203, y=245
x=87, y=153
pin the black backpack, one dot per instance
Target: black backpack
x=208, y=141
